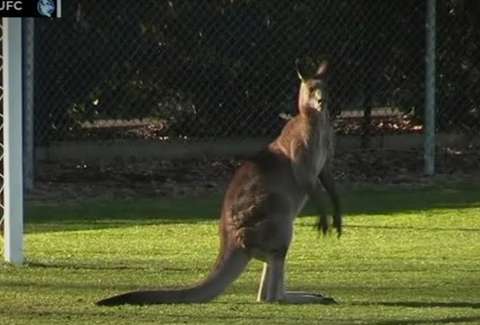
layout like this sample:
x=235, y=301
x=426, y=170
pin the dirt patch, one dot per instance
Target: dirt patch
x=131, y=179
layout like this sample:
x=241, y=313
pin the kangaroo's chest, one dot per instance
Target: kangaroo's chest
x=316, y=148
x=306, y=144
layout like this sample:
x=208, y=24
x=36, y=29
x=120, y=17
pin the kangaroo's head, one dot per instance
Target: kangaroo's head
x=312, y=97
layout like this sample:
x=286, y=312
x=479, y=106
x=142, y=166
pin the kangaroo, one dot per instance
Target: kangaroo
x=261, y=202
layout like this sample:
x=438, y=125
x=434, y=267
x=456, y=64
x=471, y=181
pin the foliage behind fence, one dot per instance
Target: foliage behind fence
x=216, y=69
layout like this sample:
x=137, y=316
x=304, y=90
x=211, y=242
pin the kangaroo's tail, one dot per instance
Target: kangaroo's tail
x=227, y=269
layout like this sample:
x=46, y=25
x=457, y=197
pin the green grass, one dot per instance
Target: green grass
x=408, y=256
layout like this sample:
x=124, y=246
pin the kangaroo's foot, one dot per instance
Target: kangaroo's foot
x=272, y=288
x=296, y=297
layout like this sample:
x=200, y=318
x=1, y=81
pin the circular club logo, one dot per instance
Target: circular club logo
x=46, y=7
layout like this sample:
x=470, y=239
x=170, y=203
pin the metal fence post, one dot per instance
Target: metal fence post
x=28, y=109
x=429, y=122
x=12, y=139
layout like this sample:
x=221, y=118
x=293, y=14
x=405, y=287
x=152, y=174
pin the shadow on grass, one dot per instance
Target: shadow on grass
x=419, y=304
x=77, y=266
x=412, y=228
x=422, y=304
x=140, y=266
x=99, y=214
x=198, y=316
x=446, y=320
x=63, y=286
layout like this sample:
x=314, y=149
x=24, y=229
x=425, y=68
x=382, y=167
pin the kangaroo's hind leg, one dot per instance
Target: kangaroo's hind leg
x=272, y=283
x=272, y=287
x=262, y=290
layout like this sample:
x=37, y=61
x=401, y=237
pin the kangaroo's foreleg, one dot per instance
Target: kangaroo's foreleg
x=328, y=182
x=314, y=191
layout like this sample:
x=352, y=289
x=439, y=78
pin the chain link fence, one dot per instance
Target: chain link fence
x=224, y=69
x=458, y=66
x=202, y=71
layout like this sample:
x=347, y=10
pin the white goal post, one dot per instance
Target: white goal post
x=12, y=139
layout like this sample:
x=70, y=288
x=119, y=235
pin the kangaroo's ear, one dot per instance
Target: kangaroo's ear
x=322, y=69
x=299, y=72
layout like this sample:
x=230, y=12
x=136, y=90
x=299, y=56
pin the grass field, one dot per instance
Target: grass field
x=408, y=256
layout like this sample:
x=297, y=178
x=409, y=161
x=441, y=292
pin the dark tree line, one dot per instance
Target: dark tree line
x=226, y=67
